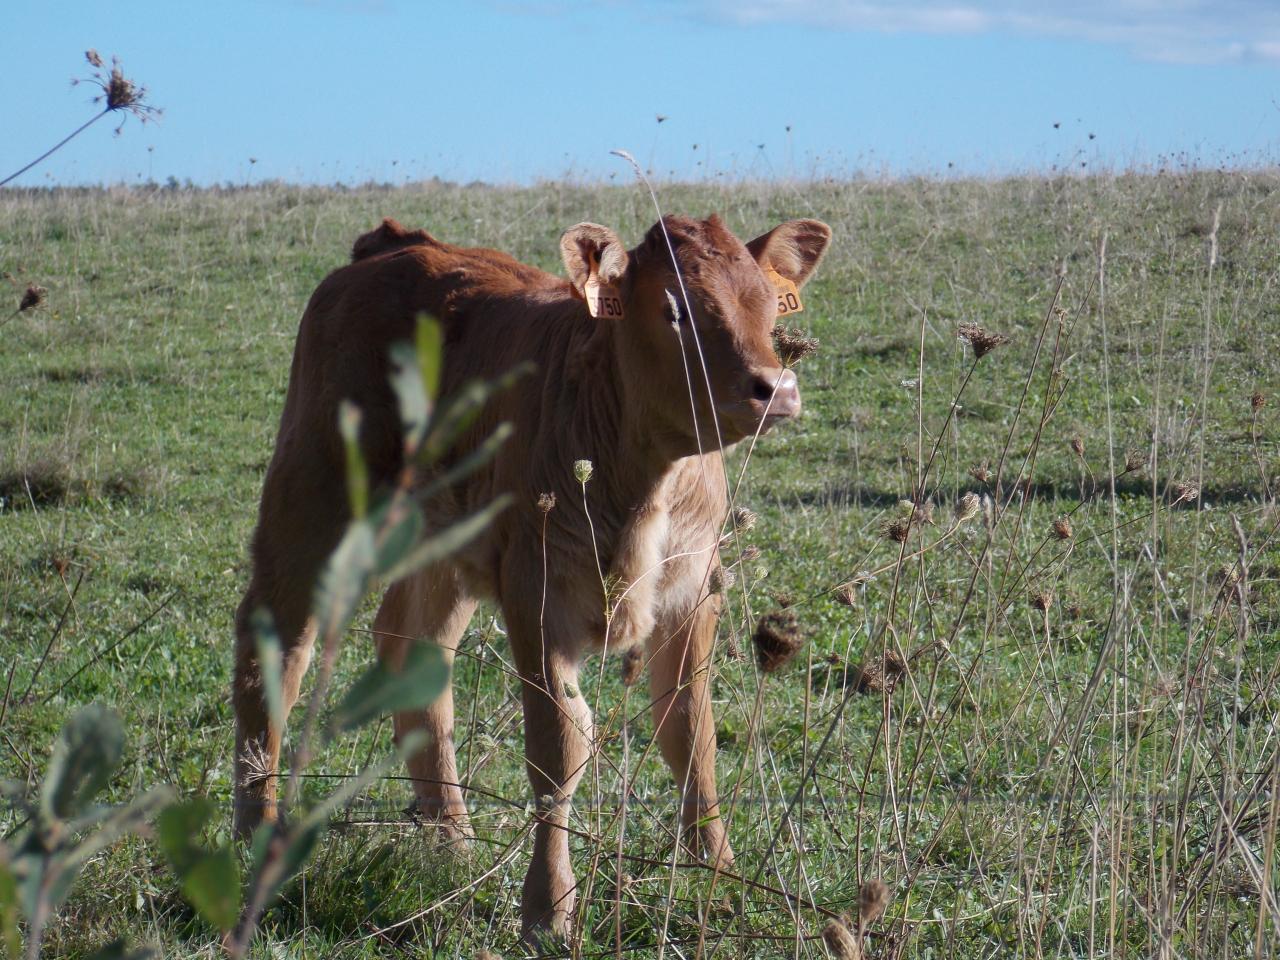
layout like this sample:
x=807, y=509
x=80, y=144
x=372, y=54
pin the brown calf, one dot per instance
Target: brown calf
x=650, y=398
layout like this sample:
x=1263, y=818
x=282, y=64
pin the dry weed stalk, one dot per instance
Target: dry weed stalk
x=117, y=94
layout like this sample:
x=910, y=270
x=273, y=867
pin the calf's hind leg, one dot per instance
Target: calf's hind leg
x=430, y=605
x=298, y=526
x=258, y=738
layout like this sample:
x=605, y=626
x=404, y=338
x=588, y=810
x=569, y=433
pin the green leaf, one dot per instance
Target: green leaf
x=345, y=579
x=212, y=886
x=10, y=943
x=461, y=410
x=430, y=348
x=400, y=525
x=270, y=663
x=86, y=754
x=448, y=541
x=419, y=681
x=118, y=822
x=349, y=418
x=406, y=381
x=179, y=828
x=473, y=461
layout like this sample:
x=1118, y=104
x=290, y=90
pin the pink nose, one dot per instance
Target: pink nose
x=778, y=389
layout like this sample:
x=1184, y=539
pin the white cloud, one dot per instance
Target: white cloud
x=1178, y=31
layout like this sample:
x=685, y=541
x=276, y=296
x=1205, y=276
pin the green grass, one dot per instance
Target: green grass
x=1097, y=779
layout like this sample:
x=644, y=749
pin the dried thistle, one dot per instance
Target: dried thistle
x=792, y=346
x=743, y=520
x=877, y=675
x=31, y=299
x=898, y=530
x=632, y=666
x=777, y=640
x=840, y=941
x=1077, y=446
x=546, y=502
x=982, y=341
x=1185, y=492
x=967, y=507
x=1041, y=599
x=721, y=580
x=846, y=595
x=982, y=472
x=873, y=898
x=118, y=92
x=1062, y=528
x=1257, y=401
x=1134, y=460
x=750, y=552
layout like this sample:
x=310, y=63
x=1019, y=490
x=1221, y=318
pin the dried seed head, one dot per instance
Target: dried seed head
x=1257, y=401
x=777, y=640
x=546, y=502
x=898, y=530
x=846, y=595
x=783, y=600
x=1077, y=446
x=873, y=898
x=876, y=674
x=582, y=470
x=721, y=580
x=31, y=299
x=840, y=941
x=743, y=520
x=1185, y=492
x=1134, y=460
x=792, y=346
x=1042, y=599
x=750, y=552
x=967, y=507
x=118, y=92
x=982, y=341
x=982, y=472
x=632, y=666
x=1062, y=528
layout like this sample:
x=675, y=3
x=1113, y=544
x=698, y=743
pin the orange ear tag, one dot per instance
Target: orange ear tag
x=603, y=299
x=788, y=293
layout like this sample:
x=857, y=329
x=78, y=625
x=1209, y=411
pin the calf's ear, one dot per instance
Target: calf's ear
x=589, y=243
x=792, y=248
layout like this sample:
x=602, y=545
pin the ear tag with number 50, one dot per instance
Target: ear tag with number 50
x=788, y=293
x=603, y=299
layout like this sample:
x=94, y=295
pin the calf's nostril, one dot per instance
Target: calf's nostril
x=763, y=389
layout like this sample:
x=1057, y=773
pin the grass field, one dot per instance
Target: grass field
x=1081, y=758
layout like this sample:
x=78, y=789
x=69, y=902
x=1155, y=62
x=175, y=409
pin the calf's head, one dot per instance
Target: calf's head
x=697, y=311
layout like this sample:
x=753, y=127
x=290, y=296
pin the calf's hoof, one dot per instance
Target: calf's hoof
x=452, y=828
x=709, y=842
x=546, y=914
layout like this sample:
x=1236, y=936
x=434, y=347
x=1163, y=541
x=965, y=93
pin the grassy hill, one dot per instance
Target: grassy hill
x=1080, y=758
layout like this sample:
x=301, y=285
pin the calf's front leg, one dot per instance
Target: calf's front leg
x=680, y=650
x=558, y=734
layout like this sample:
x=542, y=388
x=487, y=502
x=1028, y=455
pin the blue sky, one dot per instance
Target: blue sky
x=351, y=90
